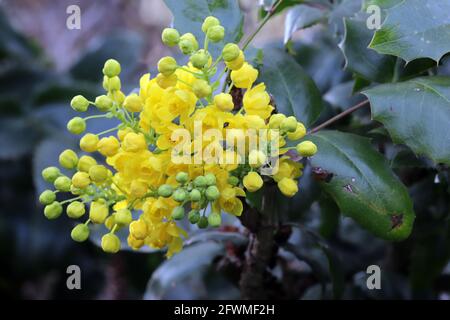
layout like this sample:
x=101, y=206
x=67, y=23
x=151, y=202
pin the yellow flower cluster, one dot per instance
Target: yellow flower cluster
x=140, y=186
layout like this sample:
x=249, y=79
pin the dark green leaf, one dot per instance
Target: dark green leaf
x=16, y=138
x=300, y=17
x=342, y=9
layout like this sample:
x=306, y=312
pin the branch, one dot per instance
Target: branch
x=339, y=116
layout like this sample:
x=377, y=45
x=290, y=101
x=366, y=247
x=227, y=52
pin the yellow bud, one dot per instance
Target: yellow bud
x=256, y=158
x=85, y=163
x=166, y=82
x=133, y=103
x=110, y=243
x=224, y=101
x=209, y=22
x=134, y=142
x=134, y=243
x=288, y=187
x=111, y=68
x=75, y=210
x=68, y=159
x=98, y=173
x=216, y=33
x=201, y=88
x=306, y=149
x=275, y=120
x=81, y=180
x=188, y=43
x=108, y=146
x=138, y=229
x=245, y=76
x=299, y=132
x=167, y=66
x=289, y=124
x=123, y=132
x=237, y=63
x=89, y=142
x=230, y=52
x=253, y=181
x=138, y=189
x=103, y=103
x=98, y=212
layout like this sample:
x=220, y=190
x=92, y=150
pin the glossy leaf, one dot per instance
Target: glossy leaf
x=300, y=17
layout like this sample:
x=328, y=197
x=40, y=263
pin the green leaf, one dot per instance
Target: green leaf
x=189, y=15
x=300, y=17
x=294, y=91
x=415, y=29
x=341, y=10
x=362, y=184
x=16, y=138
x=416, y=113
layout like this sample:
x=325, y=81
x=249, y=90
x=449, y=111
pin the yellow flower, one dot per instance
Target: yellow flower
x=133, y=103
x=287, y=169
x=253, y=181
x=288, y=187
x=256, y=101
x=237, y=63
x=244, y=77
x=81, y=180
x=299, y=132
x=98, y=212
x=224, y=101
x=108, y=146
x=134, y=142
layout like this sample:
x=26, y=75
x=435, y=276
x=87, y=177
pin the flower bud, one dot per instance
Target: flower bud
x=209, y=22
x=62, y=183
x=195, y=195
x=224, y=101
x=138, y=189
x=123, y=217
x=50, y=174
x=289, y=124
x=200, y=182
x=117, y=96
x=134, y=142
x=276, y=120
x=88, y=142
x=212, y=193
x=53, y=210
x=114, y=84
x=216, y=33
x=47, y=197
x=166, y=82
x=253, y=181
x=81, y=180
x=138, y=229
x=75, y=209
x=201, y=88
x=79, y=103
x=108, y=146
x=110, y=222
x=121, y=133
x=110, y=243
x=182, y=177
x=134, y=243
x=234, y=181
x=85, y=163
x=200, y=59
x=80, y=233
x=179, y=195
x=188, y=43
x=98, y=211
x=170, y=37
x=133, y=103
x=193, y=216
x=299, y=132
x=98, y=173
x=230, y=52
x=111, y=68
x=288, y=187
x=244, y=77
x=76, y=125
x=214, y=219
x=306, y=149
x=237, y=63
x=68, y=159
x=167, y=66
x=76, y=191
x=165, y=191
x=103, y=103
x=210, y=179
x=202, y=222
x=178, y=213
x=256, y=158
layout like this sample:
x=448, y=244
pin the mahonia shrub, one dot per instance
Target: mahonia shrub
x=143, y=171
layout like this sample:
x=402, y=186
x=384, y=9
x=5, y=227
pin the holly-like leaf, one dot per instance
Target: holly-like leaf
x=416, y=113
x=300, y=17
x=294, y=91
x=361, y=183
x=415, y=29
x=189, y=15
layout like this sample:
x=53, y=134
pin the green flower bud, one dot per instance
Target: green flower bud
x=103, y=103
x=214, y=219
x=76, y=191
x=63, y=184
x=200, y=182
x=98, y=173
x=193, y=216
x=210, y=179
x=85, y=163
x=50, y=174
x=230, y=52
x=203, y=222
x=47, y=197
x=188, y=43
x=76, y=125
x=53, y=210
x=75, y=209
x=178, y=213
x=200, y=59
x=98, y=211
x=195, y=195
x=209, y=22
x=79, y=103
x=167, y=66
x=179, y=195
x=68, y=159
x=289, y=124
x=212, y=193
x=123, y=217
x=170, y=37
x=201, y=88
x=182, y=177
x=80, y=232
x=114, y=84
x=111, y=68
x=306, y=149
x=90, y=191
x=216, y=33
x=234, y=181
x=165, y=191
x=110, y=243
